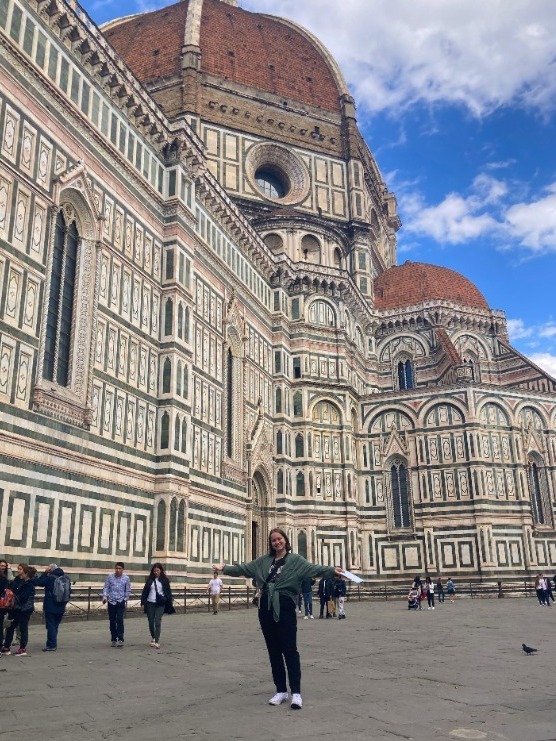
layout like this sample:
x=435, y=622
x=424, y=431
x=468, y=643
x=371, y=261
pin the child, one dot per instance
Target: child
x=450, y=588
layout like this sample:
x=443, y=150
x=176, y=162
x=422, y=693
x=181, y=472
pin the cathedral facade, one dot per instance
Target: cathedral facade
x=204, y=331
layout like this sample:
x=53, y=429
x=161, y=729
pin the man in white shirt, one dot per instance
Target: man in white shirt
x=214, y=587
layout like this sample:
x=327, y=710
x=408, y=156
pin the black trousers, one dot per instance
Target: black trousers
x=116, y=614
x=21, y=621
x=323, y=604
x=281, y=643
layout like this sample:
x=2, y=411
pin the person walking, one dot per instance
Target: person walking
x=429, y=586
x=440, y=590
x=5, y=579
x=116, y=591
x=21, y=614
x=340, y=597
x=279, y=575
x=418, y=585
x=56, y=597
x=549, y=594
x=157, y=599
x=451, y=589
x=214, y=588
x=307, y=592
x=326, y=592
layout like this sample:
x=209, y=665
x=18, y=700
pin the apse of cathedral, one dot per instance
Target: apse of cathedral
x=204, y=331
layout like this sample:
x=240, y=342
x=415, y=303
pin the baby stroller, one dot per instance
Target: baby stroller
x=413, y=600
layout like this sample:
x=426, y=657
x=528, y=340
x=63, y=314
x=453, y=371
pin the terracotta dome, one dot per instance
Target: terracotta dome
x=257, y=51
x=416, y=282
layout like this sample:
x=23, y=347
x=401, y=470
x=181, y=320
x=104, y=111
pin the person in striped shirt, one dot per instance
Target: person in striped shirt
x=116, y=591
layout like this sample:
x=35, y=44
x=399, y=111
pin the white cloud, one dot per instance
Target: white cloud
x=395, y=53
x=533, y=224
x=482, y=211
x=546, y=361
x=517, y=330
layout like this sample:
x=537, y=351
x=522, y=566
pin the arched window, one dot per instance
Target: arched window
x=59, y=318
x=184, y=436
x=180, y=320
x=405, y=375
x=274, y=242
x=337, y=259
x=173, y=523
x=321, y=312
x=300, y=484
x=177, y=430
x=365, y=462
x=168, y=316
x=166, y=376
x=187, y=323
x=310, y=248
x=299, y=446
x=165, y=431
x=230, y=405
x=278, y=401
x=279, y=446
x=400, y=495
x=161, y=526
x=542, y=514
x=302, y=544
x=181, y=527
x=297, y=404
x=178, y=378
x=185, y=381
x=280, y=482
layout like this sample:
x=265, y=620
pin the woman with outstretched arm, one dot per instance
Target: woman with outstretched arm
x=278, y=575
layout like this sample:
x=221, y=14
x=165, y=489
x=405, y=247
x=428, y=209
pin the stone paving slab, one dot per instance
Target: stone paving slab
x=384, y=673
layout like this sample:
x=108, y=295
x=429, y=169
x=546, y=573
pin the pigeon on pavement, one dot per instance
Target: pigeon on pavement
x=528, y=650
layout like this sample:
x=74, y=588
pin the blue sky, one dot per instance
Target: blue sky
x=457, y=101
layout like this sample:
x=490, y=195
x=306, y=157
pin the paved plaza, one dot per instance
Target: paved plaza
x=457, y=672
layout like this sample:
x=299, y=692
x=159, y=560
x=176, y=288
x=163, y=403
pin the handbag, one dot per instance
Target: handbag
x=331, y=607
x=160, y=599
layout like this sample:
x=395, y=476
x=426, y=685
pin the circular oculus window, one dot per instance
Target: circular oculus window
x=277, y=174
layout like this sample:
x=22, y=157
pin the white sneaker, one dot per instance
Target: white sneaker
x=305, y=618
x=311, y=617
x=278, y=698
x=152, y=643
x=297, y=702
x=299, y=612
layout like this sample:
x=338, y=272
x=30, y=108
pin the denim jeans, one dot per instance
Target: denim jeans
x=116, y=614
x=308, y=602
x=154, y=616
x=52, y=621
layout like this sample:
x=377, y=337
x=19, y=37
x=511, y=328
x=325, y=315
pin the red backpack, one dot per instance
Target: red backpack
x=8, y=600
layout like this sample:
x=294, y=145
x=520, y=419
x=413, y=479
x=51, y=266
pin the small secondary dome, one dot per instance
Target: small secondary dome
x=416, y=282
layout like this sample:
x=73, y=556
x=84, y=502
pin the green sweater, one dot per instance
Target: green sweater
x=288, y=582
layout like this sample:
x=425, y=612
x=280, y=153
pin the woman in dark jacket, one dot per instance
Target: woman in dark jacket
x=20, y=616
x=156, y=600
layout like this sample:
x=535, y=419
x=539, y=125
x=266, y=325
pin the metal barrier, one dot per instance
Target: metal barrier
x=86, y=602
